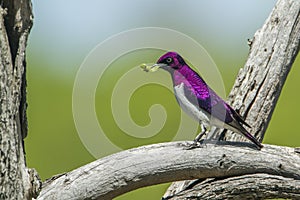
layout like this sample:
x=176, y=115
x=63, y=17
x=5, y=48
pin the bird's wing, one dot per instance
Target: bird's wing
x=209, y=102
x=206, y=99
x=203, y=97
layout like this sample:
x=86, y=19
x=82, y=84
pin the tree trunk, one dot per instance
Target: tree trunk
x=258, y=85
x=16, y=181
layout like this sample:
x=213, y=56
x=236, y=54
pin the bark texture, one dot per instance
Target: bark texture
x=272, y=53
x=15, y=24
x=122, y=172
x=258, y=85
x=252, y=186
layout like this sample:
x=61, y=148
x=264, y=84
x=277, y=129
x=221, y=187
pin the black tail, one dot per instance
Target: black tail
x=250, y=137
x=238, y=128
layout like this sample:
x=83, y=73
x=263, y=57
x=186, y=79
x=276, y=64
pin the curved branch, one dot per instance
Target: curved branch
x=253, y=186
x=160, y=163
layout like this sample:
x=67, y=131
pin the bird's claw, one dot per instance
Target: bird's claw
x=195, y=144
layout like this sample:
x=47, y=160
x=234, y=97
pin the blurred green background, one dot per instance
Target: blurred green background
x=65, y=32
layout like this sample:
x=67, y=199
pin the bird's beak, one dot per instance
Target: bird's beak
x=152, y=68
x=156, y=66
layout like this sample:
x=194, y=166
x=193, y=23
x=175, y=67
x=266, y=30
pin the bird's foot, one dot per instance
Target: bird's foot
x=195, y=144
x=198, y=141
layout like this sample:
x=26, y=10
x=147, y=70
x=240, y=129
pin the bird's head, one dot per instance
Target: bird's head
x=170, y=61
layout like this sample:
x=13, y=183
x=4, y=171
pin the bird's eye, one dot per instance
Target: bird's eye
x=169, y=60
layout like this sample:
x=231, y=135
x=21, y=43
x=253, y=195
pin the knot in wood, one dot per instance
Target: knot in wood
x=225, y=162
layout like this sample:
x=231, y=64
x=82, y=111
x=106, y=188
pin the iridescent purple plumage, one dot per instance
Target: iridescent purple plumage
x=199, y=100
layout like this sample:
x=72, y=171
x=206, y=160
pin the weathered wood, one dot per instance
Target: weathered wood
x=160, y=163
x=15, y=24
x=258, y=85
x=273, y=51
x=18, y=20
x=253, y=186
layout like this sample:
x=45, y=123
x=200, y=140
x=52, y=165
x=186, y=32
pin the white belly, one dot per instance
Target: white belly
x=191, y=109
x=196, y=112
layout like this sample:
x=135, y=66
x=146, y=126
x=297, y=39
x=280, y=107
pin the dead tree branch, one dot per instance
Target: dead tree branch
x=122, y=172
x=273, y=51
x=253, y=186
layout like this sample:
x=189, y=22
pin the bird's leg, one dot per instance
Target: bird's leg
x=201, y=134
x=222, y=135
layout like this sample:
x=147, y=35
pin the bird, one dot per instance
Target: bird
x=198, y=100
